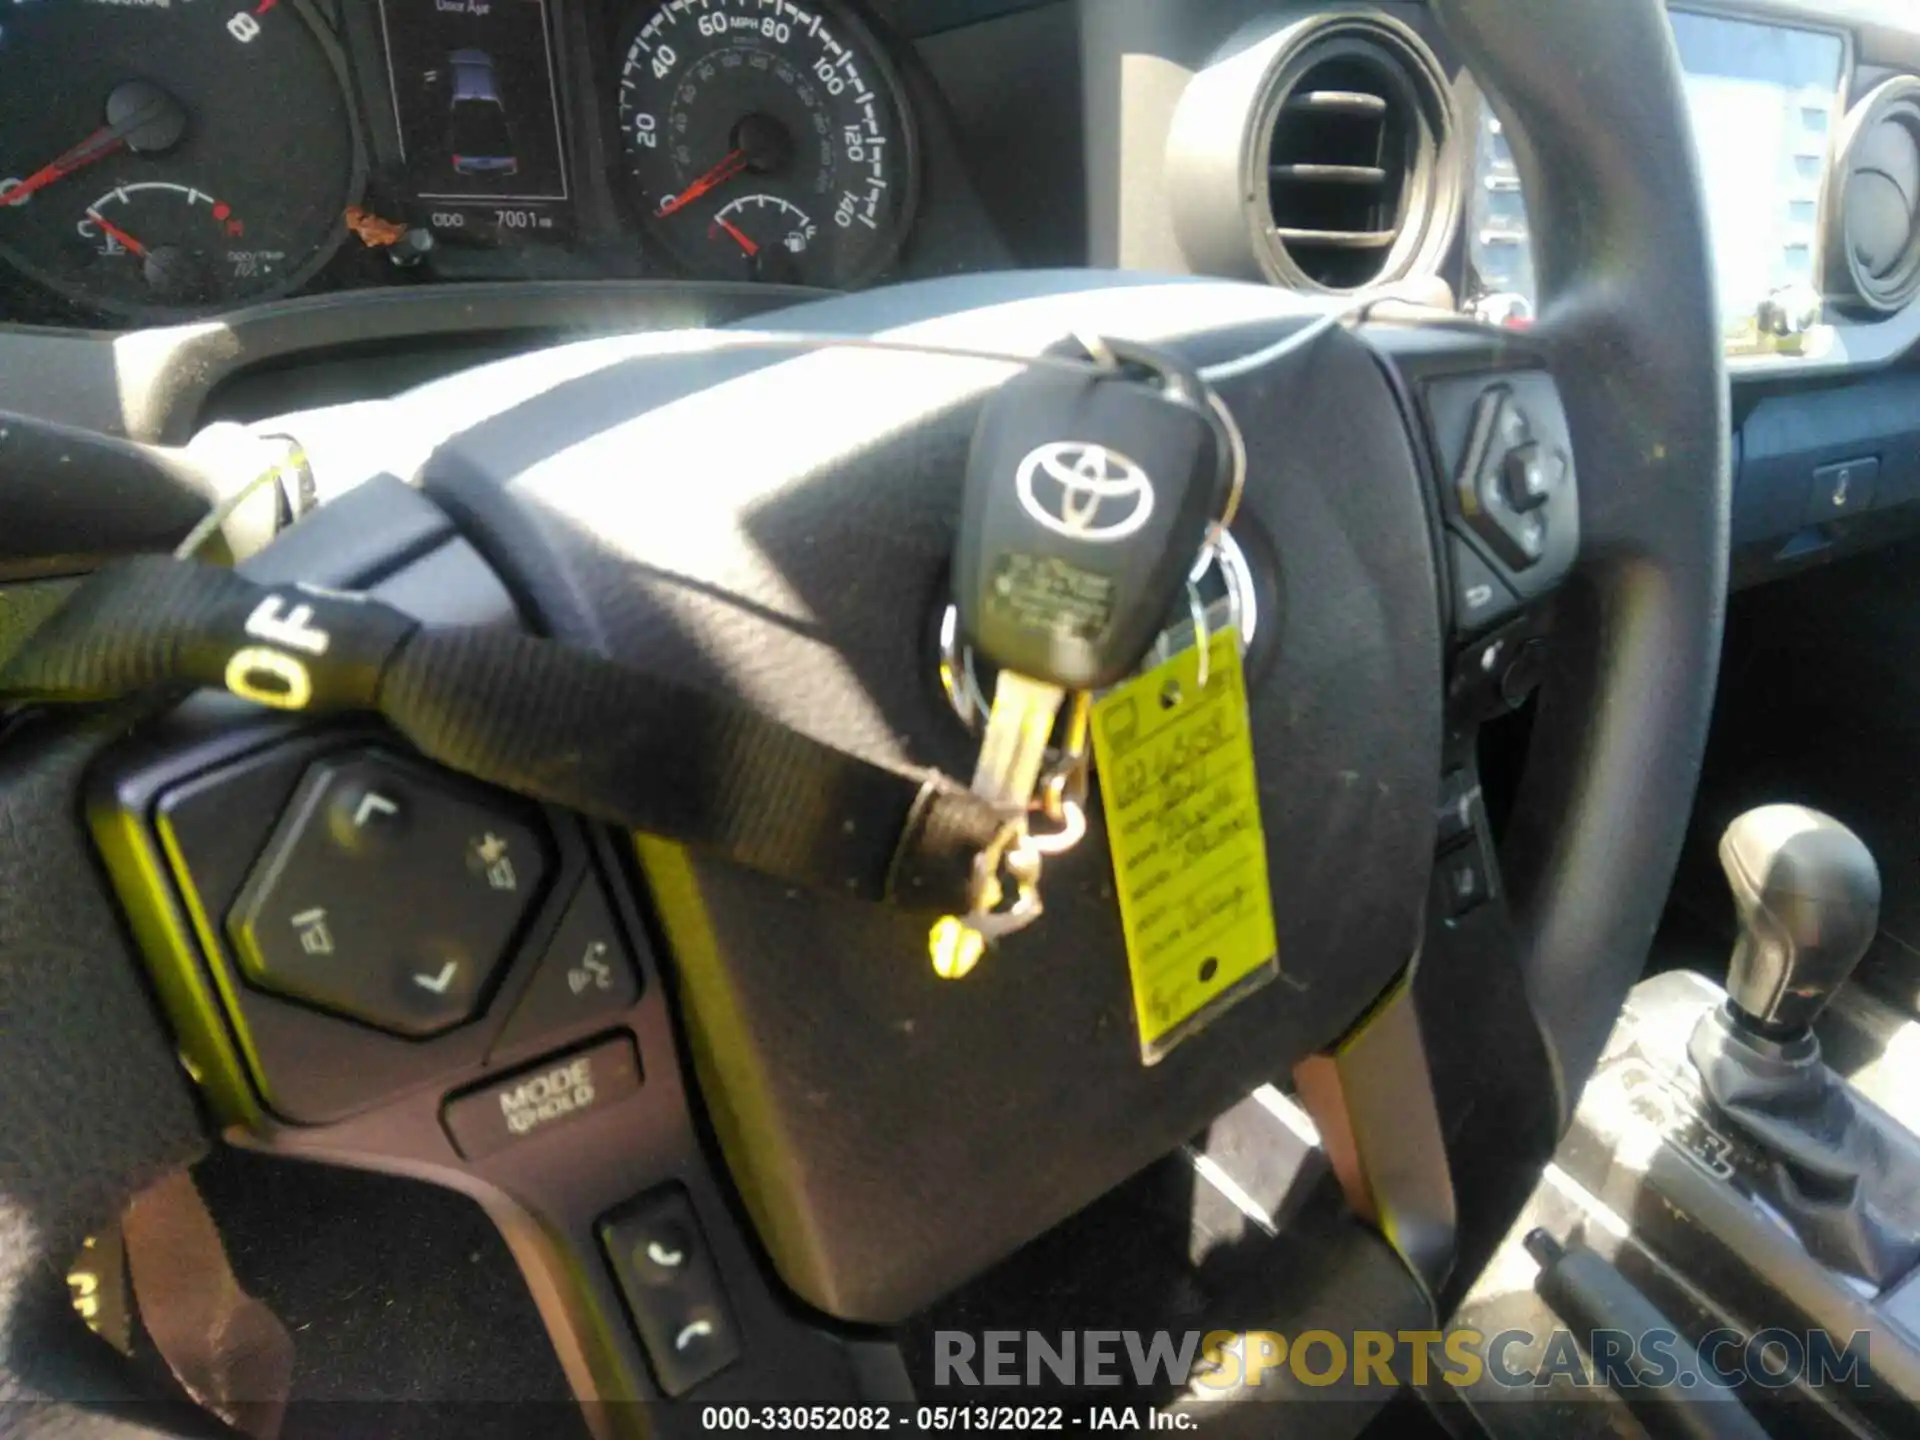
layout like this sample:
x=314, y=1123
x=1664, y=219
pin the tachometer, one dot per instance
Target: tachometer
x=767, y=140
x=160, y=161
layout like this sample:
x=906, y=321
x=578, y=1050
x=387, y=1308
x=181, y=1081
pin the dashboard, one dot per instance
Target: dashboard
x=228, y=209
x=167, y=159
x=1342, y=146
x=199, y=156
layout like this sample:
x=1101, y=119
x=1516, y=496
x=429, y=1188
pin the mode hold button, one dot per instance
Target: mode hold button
x=535, y=1100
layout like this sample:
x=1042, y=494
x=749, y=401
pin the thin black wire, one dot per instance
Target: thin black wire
x=809, y=340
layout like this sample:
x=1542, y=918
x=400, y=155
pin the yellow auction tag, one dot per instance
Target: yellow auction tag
x=1182, y=801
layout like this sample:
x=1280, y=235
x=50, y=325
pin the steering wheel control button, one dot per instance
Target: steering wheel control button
x=368, y=817
x=1514, y=490
x=1530, y=474
x=1463, y=879
x=387, y=894
x=1523, y=674
x=1843, y=490
x=1459, y=803
x=1512, y=427
x=533, y=1101
x=1504, y=444
x=585, y=978
x=1480, y=597
x=664, y=1259
x=672, y=1288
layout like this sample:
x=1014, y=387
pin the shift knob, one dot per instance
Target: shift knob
x=1808, y=896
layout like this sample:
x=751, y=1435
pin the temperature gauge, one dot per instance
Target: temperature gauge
x=186, y=245
x=191, y=157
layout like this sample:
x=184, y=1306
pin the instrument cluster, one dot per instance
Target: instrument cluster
x=160, y=162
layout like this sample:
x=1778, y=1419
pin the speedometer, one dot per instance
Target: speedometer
x=767, y=140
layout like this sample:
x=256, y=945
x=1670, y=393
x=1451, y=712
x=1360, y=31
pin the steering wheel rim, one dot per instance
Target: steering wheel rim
x=1626, y=275
x=1629, y=328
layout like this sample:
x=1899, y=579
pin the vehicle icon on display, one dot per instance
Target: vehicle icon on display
x=479, y=137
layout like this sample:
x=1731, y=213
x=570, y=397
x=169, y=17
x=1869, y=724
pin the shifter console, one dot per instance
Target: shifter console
x=1743, y=1184
x=1808, y=896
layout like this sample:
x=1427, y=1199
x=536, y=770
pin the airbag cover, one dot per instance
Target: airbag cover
x=779, y=527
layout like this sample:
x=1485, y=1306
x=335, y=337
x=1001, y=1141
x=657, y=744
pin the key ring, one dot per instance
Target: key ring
x=1202, y=636
x=1073, y=829
x=1236, y=485
x=1014, y=849
x=957, y=942
x=1061, y=796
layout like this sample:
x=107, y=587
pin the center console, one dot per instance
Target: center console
x=1742, y=1194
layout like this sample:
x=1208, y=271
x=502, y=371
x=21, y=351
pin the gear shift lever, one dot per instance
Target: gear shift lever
x=1808, y=896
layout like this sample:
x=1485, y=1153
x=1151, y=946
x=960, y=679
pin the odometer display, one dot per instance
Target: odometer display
x=766, y=140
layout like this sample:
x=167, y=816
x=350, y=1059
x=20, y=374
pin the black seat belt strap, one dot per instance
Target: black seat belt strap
x=541, y=718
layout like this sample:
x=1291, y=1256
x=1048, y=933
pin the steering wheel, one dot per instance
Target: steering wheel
x=777, y=527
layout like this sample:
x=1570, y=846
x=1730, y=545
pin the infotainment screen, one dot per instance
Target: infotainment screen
x=1766, y=101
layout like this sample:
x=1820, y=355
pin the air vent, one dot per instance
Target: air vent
x=1873, y=200
x=1345, y=146
x=1351, y=153
x=1328, y=147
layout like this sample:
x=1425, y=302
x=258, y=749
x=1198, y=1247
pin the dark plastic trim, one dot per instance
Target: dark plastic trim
x=151, y=384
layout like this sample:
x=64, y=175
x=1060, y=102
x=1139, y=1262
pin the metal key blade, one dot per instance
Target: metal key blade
x=1087, y=497
x=1013, y=752
x=1013, y=749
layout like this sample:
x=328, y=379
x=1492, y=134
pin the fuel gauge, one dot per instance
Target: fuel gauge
x=772, y=237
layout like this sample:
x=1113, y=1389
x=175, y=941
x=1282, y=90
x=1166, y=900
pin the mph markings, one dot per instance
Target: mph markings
x=742, y=107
